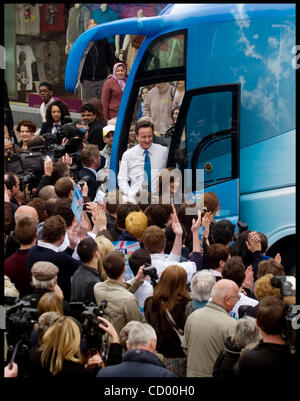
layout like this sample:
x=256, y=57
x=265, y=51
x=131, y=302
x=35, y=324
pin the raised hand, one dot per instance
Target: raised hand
x=176, y=226
x=254, y=242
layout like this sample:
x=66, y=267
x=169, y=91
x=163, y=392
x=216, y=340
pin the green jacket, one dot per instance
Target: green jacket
x=205, y=332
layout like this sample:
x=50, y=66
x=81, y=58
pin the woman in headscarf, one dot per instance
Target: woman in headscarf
x=112, y=91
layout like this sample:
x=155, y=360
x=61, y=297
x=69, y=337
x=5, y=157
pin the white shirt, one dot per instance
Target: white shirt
x=161, y=261
x=43, y=108
x=216, y=273
x=48, y=245
x=244, y=300
x=132, y=168
x=142, y=293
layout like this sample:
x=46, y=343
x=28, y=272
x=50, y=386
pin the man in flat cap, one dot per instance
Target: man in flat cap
x=44, y=279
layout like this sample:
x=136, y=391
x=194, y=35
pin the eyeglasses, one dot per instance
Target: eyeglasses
x=44, y=91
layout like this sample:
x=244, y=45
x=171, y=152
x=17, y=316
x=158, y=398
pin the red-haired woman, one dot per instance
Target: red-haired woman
x=165, y=311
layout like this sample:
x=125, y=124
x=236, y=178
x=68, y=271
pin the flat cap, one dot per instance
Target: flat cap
x=44, y=271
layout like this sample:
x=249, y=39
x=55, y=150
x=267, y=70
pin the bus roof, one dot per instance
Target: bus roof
x=173, y=17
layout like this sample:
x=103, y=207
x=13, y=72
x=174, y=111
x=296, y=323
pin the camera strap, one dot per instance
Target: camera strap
x=170, y=319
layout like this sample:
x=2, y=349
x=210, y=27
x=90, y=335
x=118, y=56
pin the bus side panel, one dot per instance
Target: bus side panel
x=269, y=164
x=270, y=212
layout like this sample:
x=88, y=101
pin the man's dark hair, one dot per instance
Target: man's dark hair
x=26, y=230
x=63, y=208
x=53, y=229
x=10, y=180
x=263, y=241
x=234, y=270
x=60, y=169
x=49, y=86
x=63, y=187
x=122, y=212
x=86, y=249
x=216, y=253
x=37, y=140
x=88, y=154
x=158, y=215
x=113, y=264
x=50, y=206
x=170, y=237
x=139, y=258
x=88, y=107
x=143, y=124
x=270, y=314
x=222, y=232
x=39, y=205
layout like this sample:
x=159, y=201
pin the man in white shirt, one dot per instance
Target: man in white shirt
x=132, y=168
x=46, y=94
x=234, y=269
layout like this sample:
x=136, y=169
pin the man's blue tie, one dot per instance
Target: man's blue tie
x=147, y=169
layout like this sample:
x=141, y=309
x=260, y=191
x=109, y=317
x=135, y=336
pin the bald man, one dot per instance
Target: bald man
x=206, y=329
x=47, y=192
x=26, y=211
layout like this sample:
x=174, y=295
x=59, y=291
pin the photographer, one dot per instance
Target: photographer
x=60, y=356
x=271, y=357
x=92, y=162
x=139, y=258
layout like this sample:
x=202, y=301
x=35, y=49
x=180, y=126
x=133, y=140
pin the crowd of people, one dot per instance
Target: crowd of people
x=211, y=309
x=205, y=308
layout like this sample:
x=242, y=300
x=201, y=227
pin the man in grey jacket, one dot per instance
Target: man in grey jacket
x=206, y=329
x=122, y=305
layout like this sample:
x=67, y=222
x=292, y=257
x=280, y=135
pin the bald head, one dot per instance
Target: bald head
x=225, y=293
x=47, y=192
x=26, y=211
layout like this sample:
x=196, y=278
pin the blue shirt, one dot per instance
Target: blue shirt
x=102, y=17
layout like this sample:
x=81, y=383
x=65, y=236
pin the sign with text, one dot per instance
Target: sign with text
x=77, y=203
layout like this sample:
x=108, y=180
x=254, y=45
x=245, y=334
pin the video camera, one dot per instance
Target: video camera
x=287, y=293
x=20, y=319
x=28, y=166
x=151, y=271
x=87, y=316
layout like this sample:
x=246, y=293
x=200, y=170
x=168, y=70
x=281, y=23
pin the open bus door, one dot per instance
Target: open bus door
x=206, y=145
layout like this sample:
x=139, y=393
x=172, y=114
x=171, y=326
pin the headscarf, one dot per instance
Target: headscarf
x=121, y=82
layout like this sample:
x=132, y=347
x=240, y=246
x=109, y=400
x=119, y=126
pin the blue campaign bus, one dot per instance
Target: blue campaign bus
x=237, y=116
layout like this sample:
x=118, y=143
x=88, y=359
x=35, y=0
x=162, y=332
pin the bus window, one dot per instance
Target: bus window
x=159, y=102
x=206, y=137
x=166, y=52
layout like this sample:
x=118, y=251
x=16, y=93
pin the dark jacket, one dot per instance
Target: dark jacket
x=63, y=260
x=70, y=369
x=98, y=58
x=95, y=135
x=92, y=182
x=226, y=360
x=125, y=236
x=111, y=227
x=47, y=129
x=137, y=363
x=168, y=342
x=82, y=285
x=267, y=360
